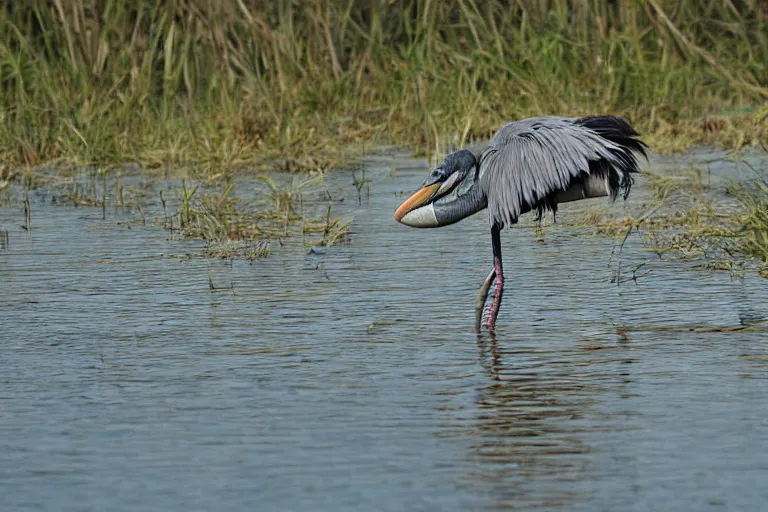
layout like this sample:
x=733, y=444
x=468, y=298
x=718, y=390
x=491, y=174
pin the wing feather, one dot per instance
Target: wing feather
x=528, y=161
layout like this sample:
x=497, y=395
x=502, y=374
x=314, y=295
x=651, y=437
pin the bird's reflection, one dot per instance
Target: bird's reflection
x=531, y=425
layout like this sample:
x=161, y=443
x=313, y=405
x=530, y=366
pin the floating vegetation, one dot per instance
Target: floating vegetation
x=688, y=182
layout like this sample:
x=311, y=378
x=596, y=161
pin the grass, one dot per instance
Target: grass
x=234, y=227
x=229, y=249
x=686, y=219
x=753, y=225
x=216, y=87
x=250, y=84
x=235, y=219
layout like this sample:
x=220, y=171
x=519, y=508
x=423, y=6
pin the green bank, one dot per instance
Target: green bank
x=287, y=84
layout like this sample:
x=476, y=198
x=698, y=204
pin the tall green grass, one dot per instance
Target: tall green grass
x=246, y=82
x=753, y=224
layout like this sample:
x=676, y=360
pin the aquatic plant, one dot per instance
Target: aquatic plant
x=753, y=224
x=250, y=83
x=234, y=227
x=689, y=220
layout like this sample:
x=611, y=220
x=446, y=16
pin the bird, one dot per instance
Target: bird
x=529, y=165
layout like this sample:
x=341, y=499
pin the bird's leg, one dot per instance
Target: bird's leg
x=539, y=232
x=482, y=294
x=490, y=322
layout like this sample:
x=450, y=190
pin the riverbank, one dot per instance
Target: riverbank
x=235, y=86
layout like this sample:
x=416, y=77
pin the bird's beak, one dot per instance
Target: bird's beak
x=419, y=198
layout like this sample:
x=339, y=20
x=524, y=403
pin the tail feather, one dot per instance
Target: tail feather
x=617, y=174
x=618, y=131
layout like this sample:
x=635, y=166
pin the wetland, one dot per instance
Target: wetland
x=206, y=304
x=137, y=368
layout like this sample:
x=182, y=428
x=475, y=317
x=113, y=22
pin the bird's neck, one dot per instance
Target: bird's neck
x=453, y=209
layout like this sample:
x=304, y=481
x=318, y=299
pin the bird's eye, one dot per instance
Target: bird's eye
x=440, y=174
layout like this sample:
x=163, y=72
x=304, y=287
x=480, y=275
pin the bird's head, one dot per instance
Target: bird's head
x=433, y=204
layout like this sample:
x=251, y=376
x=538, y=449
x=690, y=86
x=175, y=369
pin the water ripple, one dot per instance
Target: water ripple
x=353, y=379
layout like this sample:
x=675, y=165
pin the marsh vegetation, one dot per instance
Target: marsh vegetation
x=217, y=87
x=222, y=85
x=234, y=218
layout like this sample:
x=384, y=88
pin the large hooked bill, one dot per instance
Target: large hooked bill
x=417, y=210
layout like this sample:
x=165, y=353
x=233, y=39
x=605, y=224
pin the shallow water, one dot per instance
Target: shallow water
x=353, y=379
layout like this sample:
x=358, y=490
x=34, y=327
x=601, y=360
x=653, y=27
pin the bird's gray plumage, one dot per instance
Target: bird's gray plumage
x=527, y=162
x=533, y=164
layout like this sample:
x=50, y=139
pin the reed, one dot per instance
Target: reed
x=248, y=83
x=753, y=225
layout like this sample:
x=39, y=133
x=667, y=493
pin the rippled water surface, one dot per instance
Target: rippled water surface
x=352, y=379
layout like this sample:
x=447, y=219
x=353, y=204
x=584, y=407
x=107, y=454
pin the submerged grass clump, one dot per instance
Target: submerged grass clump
x=234, y=227
x=333, y=230
x=754, y=222
x=229, y=249
x=235, y=219
x=247, y=83
x=687, y=219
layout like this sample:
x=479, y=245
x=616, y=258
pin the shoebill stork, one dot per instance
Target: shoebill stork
x=533, y=164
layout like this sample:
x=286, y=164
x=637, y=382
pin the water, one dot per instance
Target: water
x=353, y=379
